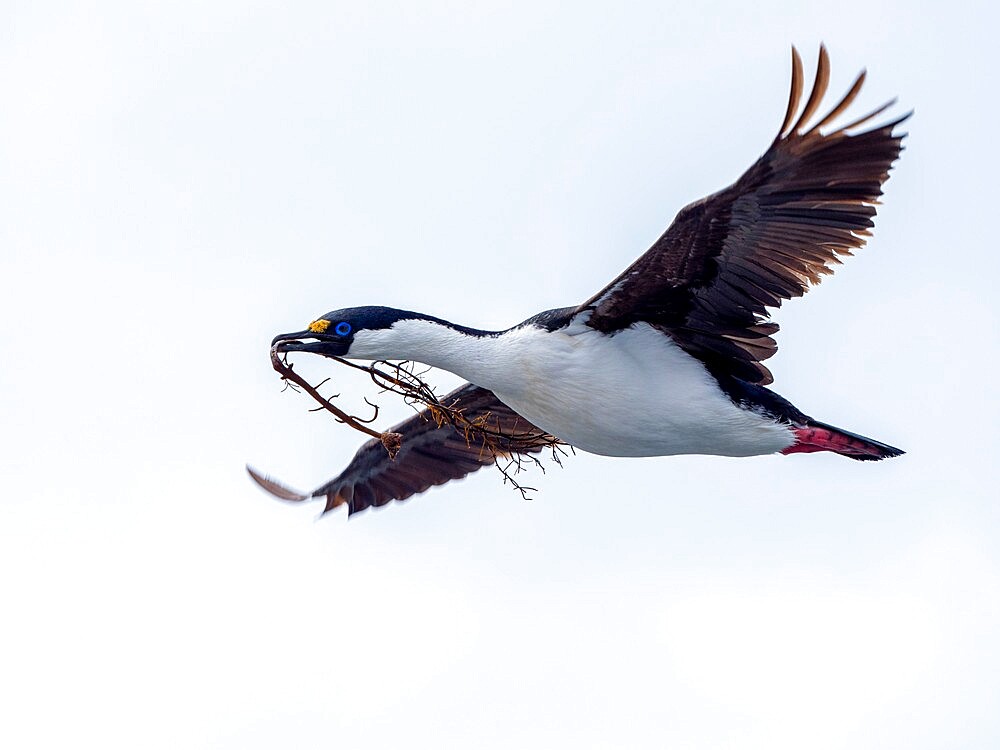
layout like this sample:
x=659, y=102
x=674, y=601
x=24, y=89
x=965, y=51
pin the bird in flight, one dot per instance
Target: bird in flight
x=668, y=358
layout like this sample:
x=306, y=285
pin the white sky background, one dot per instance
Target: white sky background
x=180, y=182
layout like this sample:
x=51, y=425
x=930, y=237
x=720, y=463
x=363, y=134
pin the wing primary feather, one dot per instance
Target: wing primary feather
x=874, y=113
x=820, y=84
x=794, y=95
x=844, y=103
x=279, y=490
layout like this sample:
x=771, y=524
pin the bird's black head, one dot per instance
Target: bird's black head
x=333, y=334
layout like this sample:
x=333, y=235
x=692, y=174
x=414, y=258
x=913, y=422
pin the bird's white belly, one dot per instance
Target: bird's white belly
x=635, y=393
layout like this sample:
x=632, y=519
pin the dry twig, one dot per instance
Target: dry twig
x=508, y=449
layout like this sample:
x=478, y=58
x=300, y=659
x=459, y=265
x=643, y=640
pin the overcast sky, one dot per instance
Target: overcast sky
x=181, y=182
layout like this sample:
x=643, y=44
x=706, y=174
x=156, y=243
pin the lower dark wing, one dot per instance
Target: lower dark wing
x=725, y=259
x=429, y=455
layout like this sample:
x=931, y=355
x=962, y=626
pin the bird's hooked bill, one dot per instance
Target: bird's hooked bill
x=330, y=346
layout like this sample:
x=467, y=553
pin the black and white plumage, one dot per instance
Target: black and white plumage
x=668, y=358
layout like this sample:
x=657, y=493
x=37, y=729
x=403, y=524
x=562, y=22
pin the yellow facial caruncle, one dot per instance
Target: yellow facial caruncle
x=319, y=326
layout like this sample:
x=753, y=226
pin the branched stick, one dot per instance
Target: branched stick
x=391, y=440
x=508, y=449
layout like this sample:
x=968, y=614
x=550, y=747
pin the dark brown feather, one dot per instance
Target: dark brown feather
x=784, y=224
x=795, y=95
x=820, y=84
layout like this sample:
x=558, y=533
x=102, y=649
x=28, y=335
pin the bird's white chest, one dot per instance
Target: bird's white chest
x=634, y=393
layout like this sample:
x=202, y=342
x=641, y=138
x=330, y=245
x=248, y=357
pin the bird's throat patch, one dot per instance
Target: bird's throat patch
x=319, y=326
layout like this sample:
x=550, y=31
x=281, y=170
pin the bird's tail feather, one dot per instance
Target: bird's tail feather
x=817, y=436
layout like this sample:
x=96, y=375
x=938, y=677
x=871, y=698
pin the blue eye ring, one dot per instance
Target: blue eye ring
x=342, y=328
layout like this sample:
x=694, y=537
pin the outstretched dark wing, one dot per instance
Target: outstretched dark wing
x=429, y=454
x=725, y=259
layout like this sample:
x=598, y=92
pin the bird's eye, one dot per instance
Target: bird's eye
x=343, y=328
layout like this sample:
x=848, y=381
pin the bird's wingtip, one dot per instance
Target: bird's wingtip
x=275, y=488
